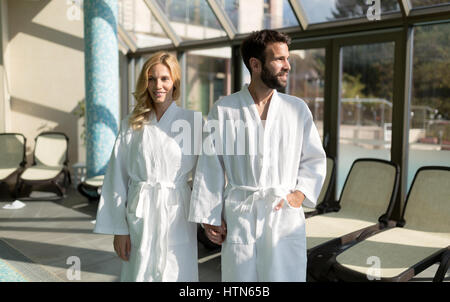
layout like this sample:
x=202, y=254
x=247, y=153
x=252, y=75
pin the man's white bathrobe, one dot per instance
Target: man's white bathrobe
x=145, y=194
x=261, y=244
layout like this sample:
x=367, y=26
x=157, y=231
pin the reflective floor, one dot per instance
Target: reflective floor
x=46, y=240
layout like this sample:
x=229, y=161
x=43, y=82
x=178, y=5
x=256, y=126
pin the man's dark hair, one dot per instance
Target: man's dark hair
x=254, y=46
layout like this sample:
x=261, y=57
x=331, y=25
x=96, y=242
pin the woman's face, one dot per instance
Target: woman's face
x=160, y=84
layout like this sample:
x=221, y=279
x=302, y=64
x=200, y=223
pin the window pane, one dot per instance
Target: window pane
x=425, y=3
x=140, y=24
x=429, y=134
x=307, y=80
x=192, y=19
x=208, y=77
x=365, y=105
x=318, y=11
x=251, y=15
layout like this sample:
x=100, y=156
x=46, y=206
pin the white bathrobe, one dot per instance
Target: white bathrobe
x=145, y=194
x=261, y=244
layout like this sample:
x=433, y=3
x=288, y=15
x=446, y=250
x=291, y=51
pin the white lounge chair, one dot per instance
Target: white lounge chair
x=420, y=239
x=366, y=200
x=324, y=196
x=50, y=162
x=12, y=156
x=91, y=188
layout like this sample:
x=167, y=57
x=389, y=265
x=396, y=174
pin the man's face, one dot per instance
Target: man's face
x=275, y=70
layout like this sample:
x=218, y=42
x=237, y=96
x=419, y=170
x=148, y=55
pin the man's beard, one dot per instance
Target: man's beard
x=271, y=80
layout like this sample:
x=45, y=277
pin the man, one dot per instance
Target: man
x=262, y=236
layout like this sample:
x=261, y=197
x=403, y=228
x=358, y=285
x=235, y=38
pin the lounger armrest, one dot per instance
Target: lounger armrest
x=391, y=223
x=311, y=214
x=332, y=206
x=385, y=222
x=401, y=223
x=383, y=219
x=328, y=206
x=443, y=267
x=321, y=208
x=370, y=231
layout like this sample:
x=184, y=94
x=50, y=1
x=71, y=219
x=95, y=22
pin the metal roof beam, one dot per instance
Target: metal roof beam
x=163, y=21
x=123, y=47
x=299, y=13
x=405, y=7
x=223, y=18
x=126, y=39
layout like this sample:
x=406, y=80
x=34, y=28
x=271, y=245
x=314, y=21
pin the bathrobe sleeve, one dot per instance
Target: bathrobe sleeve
x=312, y=168
x=209, y=181
x=197, y=149
x=111, y=214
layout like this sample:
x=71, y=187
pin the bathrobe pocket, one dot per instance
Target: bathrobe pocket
x=289, y=223
x=240, y=225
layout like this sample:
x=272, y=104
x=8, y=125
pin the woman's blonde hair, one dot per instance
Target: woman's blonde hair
x=144, y=101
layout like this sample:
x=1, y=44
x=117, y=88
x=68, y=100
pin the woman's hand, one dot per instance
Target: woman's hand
x=122, y=246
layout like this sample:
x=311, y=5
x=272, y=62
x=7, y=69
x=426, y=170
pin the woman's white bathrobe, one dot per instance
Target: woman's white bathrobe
x=145, y=194
x=280, y=157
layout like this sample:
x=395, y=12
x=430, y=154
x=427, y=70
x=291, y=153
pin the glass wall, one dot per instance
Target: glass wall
x=365, y=105
x=424, y=3
x=250, y=15
x=307, y=80
x=367, y=75
x=319, y=11
x=429, y=134
x=208, y=77
x=192, y=19
x=140, y=24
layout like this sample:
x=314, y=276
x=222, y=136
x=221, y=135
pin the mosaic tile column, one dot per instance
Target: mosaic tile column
x=101, y=81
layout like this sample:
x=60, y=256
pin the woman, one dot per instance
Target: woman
x=145, y=195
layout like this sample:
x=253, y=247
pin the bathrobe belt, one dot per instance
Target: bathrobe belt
x=271, y=194
x=159, y=225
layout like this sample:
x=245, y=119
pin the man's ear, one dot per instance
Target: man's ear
x=255, y=65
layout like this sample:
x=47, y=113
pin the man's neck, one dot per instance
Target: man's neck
x=260, y=93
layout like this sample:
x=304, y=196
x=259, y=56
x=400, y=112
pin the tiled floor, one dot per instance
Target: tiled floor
x=46, y=234
x=39, y=239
